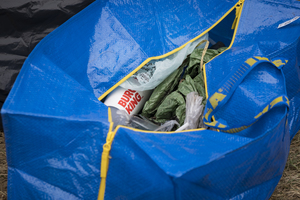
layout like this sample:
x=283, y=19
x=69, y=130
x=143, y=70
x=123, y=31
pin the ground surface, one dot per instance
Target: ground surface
x=3, y=168
x=289, y=184
x=288, y=187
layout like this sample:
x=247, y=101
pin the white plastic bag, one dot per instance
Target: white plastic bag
x=154, y=72
x=167, y=126
x=194, y=110
x=121, y=117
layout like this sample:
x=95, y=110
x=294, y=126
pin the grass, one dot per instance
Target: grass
x=289, y=184
x=288, y=187
x=3, y=169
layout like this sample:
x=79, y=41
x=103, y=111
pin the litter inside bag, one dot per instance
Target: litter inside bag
x=121, y=117
x=168, y=100
x=167, y=126
x=178, y=99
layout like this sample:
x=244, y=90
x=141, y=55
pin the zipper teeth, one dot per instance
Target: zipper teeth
x=158, y=132
x=199, y=129
x=169, y=53
x=240, y=4
x=111, y=133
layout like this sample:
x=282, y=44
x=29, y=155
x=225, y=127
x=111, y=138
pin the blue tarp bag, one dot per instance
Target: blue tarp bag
x=60, y=139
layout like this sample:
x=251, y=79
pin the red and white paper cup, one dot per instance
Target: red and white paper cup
x=131, y=101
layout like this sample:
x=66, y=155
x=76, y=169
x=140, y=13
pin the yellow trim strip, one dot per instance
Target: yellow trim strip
x=261, y=58
x=250, y=61
x=276, y=101
x=235, y=130
x=165, y=55
x=278, y=63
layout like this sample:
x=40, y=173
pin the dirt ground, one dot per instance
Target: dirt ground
x=288, y=187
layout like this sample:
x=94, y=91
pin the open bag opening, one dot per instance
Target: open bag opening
x=168, y=92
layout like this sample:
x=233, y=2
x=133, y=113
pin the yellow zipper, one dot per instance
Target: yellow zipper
x=235, y=24
x=105, y=156
x=171, y=52
x=237, y=13
x=111, y=133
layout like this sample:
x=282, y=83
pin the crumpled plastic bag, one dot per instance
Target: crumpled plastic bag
x=121, y=117
x=168, y=126
x=194, y=110
x=155, y=72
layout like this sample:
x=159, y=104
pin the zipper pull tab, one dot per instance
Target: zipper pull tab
x=105, y=160
x=237, y=13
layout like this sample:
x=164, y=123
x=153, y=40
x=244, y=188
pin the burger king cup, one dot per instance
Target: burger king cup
x=131, y=101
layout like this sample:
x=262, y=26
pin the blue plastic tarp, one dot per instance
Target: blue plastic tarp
x=55, y=126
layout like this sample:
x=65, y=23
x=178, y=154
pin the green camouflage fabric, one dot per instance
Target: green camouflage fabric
x=168, y=99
